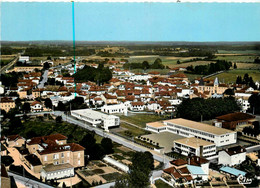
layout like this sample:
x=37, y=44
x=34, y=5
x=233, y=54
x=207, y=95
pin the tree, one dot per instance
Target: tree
x=140, y=170
x=48, y=103
x=49, y=58
x=46, y=65
x=229, y=92
x=254, y=101
x=61, y=106
x=58, y=119
x=178, y=62
x=26, y=107
x=121, y=182
x=145, y=65
x=235, y=66
x=7, y=160
x=107, y=145
x=64, y=185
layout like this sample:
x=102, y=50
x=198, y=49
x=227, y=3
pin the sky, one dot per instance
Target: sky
x=27, y=21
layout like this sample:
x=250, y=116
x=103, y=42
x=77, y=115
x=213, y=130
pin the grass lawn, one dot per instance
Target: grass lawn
x=135, y=131
x=87, y=172
x=111, y=176
x=161, y=184
x=118, y=157
x=230, y=76
x=142, y=119
x=98, y=171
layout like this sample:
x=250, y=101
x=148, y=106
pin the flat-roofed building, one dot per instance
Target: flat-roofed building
x=116, y=108
x=232, y=156
x=194, y=146
x=188, y=128
x=96, y=118
x=51, y=171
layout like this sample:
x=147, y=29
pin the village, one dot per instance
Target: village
x=133, y=112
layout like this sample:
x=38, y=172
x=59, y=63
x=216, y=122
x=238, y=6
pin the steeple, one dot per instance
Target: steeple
x=216, y=83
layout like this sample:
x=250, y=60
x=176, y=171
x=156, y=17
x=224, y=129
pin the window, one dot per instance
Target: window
x=62, y=155
x=78, y=155
x=78, y=162
x=45, y=158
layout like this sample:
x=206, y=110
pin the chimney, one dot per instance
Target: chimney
x=188, y=161
x=201, y=151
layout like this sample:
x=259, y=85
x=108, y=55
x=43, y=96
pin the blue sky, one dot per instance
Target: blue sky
x=131, y=21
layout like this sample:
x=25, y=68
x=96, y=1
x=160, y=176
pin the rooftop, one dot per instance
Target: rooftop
x=232, y=171
x=92, y=114
x=199, y=126
x=196, y=170
x=156, y=124
x=237, y=116
x=194, y=142
x=52, y=167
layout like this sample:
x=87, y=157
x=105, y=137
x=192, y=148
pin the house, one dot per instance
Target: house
x=232, y=120
x=188, y=170
x=33, y=163
x=116, y=108
x=194, y=146
x=15, y=141
x=137, y=106
x=188, y=128
x=215, y=87
x=232, y=156
x=36, y=106
x=96, y=118
x=6, y=104
x=53, y=157
x=109, y=99
x=24, y=58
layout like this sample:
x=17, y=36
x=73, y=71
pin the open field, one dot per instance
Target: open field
x=236, y=58
x=239, y=52
x=135, y=131
x=248, y=66
x=141, y=119
x=230, y=76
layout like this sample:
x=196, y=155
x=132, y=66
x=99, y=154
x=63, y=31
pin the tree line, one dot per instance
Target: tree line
x=99, y=75
x=247, y=80
x=157, y=64
x=211, y=68
x=206, y=109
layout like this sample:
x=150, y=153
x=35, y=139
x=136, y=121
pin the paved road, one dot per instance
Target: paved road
x=4, y=68
x=44, y=79
x=26, y=182
x=115, y=138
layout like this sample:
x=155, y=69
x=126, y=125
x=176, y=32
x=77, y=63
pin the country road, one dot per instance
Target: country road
x=6, y=67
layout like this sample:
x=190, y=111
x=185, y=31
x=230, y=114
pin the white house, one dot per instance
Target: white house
x=232, y=156
x=245, y=105
x=24, y=58
x=36, y=106
x=137, y=106
x=96, y=118
x=175, y=102
x=116, y=108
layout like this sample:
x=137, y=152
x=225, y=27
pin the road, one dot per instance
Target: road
x=4, y=68
x=115, y=138
x=26, y=182
x=44, y=79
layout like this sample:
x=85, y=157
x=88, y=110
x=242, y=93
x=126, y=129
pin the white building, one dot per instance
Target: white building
x=96, y=118
x=245, y=105
x=232, y=156
x=140, y=77
x=187, y=128
x=194, y=146
x=52, y=171
x=116, y=108
x=24, y=58
x=36, y=106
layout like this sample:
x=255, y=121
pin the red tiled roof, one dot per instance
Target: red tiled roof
x=235, y=150
x=237, y=116
x=179, y=162
x=137, y=103
x=14, y=137
x=107, y=96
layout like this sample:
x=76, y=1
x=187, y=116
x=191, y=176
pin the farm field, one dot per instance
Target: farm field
x=248, y=66
x=239, y=52
x=236, y=58
x=230, y=76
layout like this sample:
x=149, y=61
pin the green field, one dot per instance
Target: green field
x=238, y=51
x=236, y=58
x=142, y=119
x=135, y=131
x=230, y=76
